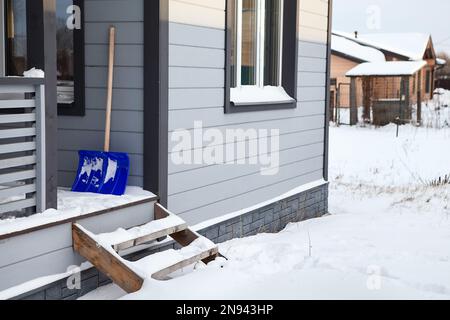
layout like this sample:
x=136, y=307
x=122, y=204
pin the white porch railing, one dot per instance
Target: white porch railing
x=22, y=147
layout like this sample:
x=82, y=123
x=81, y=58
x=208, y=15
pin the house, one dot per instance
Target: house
x=351, y=50
x=186, y=74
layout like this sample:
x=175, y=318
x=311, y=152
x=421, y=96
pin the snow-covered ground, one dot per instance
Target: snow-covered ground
x=387, y=235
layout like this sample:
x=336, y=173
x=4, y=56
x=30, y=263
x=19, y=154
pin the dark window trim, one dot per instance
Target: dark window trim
x=36, y=58
x=156, y=98
x=77, y=108
x=290, y=60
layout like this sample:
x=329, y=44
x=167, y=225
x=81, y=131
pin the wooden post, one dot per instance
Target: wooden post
x=407, y=114
x=353, y=103
x=51, y=106
x=367, y=95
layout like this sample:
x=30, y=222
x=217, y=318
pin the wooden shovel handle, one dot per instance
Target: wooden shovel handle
x=112, y=38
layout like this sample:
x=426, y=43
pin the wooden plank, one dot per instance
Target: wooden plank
x=17, y=162
x=17, y=191
x=149, y=238
x=185, y=237
x=17, y=176
x=16, y=118
x=17, y=147
x=105, y=262
x=14, y=104
x=204, y=256
x=17, y=205
x=17, y=133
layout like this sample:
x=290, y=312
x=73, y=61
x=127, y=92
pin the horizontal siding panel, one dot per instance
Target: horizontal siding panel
x=312, y=64
x=195, y=179
x=121, y=121
x=249, y=199
x=48, y=264
x=123, y=99
x=196, y=57
x=312, y=50
x=182, y=34
x=125, y=55
x=319, y=7
x=311, y=94
x=114, y=10
x=215, y=117
x=94, y=140
x=197, y=198
x=313, y=35
x=180, y=99
x=313, y=20
x=126, y=32
x=311, y=79
x=196, y=78
x=284, y=125
x=124, y=77
x=287, y=141
x=189, y=13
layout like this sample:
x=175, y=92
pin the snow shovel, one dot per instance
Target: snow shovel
x=104, y=172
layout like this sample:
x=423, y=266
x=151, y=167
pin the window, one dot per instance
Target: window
x=262, y=55
x=23, y=39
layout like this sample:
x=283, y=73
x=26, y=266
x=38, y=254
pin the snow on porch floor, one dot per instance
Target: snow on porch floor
x=72, y=205
x=388, y=235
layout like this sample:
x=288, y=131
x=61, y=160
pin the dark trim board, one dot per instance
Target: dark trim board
x=78, y=107
x=290, y=60
x=51, y=108
x=328, y=95
x=156, y=98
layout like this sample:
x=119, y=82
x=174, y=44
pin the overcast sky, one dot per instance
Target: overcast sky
x=425, y=16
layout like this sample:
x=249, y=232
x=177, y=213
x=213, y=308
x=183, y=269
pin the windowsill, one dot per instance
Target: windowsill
x=251, y=98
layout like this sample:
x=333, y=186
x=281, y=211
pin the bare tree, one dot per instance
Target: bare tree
x=445, y=71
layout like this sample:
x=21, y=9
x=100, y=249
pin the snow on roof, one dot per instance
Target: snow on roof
x=386, y=69
x=441, y=62
x=353, y=49
x=410, y=45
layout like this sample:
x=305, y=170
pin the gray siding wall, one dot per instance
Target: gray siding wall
x=196, y=92
x=87, y=132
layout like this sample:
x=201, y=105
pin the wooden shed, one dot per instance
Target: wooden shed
x=388, y=91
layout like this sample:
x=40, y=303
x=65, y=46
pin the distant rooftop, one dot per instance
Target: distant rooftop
x=409, y=45
x=355, y=50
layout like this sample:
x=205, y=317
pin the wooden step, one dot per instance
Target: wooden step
x=160, y=265
x=103, y=250
x=125, y=239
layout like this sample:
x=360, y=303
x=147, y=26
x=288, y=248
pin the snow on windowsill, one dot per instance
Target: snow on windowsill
x=251, y=95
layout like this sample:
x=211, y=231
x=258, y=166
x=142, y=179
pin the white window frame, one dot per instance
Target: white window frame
x=260, y=42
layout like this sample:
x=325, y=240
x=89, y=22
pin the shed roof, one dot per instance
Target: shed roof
x=386, y=69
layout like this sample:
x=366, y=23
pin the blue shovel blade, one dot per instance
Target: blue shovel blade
x=91, y=166
x=116, y=174
x=102, y=172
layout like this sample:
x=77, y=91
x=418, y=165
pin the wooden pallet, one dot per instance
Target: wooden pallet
x=103, y=250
